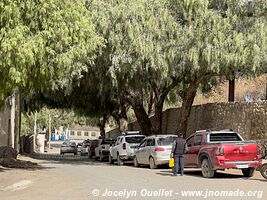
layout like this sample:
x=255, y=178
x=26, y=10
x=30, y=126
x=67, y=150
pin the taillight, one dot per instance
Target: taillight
x=124, y=146
x=220, y=151
x=159, y=149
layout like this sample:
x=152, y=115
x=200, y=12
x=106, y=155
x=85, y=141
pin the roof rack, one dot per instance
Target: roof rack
x=229, y=129
x=131, y=133
x=205, y=130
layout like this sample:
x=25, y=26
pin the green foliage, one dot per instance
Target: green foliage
x=44, y=43
x=59, y=117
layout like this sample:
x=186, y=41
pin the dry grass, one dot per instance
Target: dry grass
x=245, y=87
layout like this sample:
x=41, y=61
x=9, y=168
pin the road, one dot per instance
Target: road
x=90, y=180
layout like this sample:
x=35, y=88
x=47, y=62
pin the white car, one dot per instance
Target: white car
x=154, y=150
x=84, y=148
x=124, y=146
x=102, y=149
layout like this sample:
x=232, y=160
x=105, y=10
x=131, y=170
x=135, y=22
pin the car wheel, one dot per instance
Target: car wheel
x=119, y=161
x=264, y=170
x=152, y=164
x=206, y=169
x=110, y=159
x=136, y=164
x=249, y=172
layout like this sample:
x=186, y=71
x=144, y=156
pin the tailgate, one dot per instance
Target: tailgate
x=240, y=151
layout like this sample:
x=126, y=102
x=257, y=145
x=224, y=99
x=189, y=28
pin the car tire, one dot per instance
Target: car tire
x=206, y=169
x=136, y=164
x=110, y=159
x=152, y=164
x=119, y=161
x=248, y=172
x=263, y=170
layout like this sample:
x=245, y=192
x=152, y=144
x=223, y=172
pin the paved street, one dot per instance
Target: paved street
x=82, y=180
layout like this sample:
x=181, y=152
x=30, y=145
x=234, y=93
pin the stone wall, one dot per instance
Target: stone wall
x=248, y=118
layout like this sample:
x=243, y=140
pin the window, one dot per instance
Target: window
x=197, y=140
x=165, y=141
x=143, y=144
x=86, y=134
x=79, y=133
x=106, y=141
x=72, y=133
x=117, y=141
x=93, y=134
x=134, y=139
x=189, y=141
x=150, y=142
x=224, y=137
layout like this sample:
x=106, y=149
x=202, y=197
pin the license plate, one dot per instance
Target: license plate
x=242, y=166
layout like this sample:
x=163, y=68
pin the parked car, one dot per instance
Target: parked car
x=124, y=146
x=84, y=148
x=154, y=150
x=91, y=148
x=102, y=150
x=79, y=146
x=68, y=147
x=220, y=150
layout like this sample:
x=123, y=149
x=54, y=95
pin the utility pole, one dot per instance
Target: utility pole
x=12, y=119
x=34, y=131
x=49, y=130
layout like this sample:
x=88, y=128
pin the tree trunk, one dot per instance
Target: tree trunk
x=231, y=93
x=121, y=120
x=158, y=115
x=102, y=125
x=102, y=130
x=188, y=100
x=141, y=115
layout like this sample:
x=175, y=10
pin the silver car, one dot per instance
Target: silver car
x=154, y=150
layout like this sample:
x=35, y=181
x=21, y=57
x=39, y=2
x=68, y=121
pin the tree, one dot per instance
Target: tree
x=140, y=43
x=44, y=44
x=221, y=39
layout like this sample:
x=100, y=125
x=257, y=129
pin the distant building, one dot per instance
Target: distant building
x=83, y=133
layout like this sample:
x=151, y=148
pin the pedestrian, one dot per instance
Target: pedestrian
x=179, y=148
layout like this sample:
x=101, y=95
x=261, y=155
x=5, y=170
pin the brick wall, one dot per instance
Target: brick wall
x=248, y=118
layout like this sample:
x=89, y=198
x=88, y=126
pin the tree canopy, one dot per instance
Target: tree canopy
x=44, y=44
x=98, y=57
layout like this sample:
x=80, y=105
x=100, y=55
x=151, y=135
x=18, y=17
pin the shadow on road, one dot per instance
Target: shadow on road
x=77, y=162
x=197, y=173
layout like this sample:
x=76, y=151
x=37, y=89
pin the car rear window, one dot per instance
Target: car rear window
x=221, y=137
x=134, y=139
x=106, y=141
x=94, y=142
x=165, y=141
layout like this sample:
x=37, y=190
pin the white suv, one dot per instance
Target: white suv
x=124, y=146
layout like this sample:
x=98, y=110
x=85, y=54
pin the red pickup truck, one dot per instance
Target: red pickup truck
x=220, y=150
